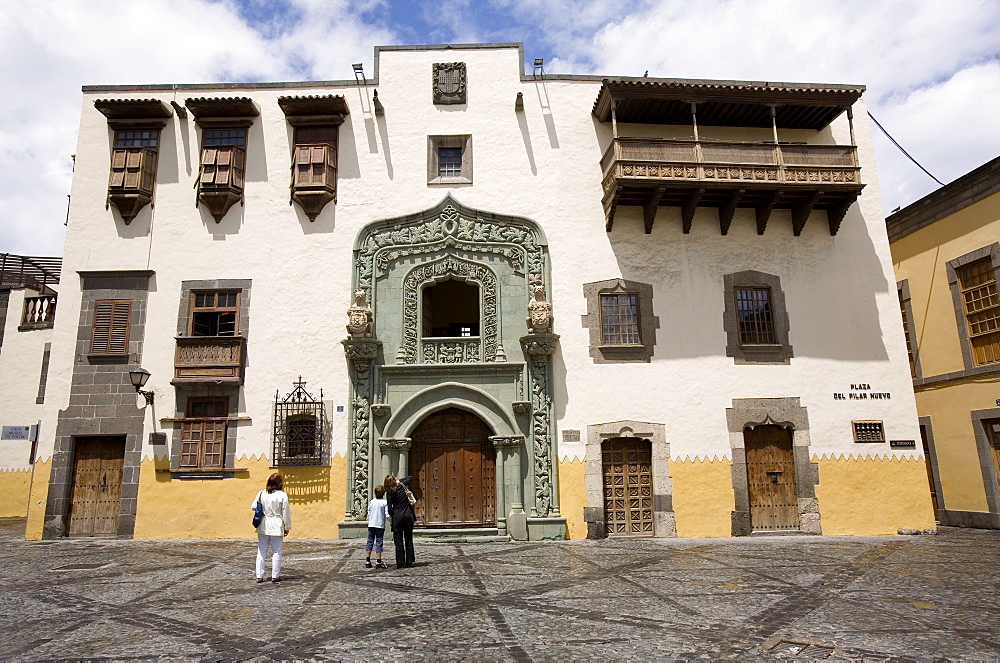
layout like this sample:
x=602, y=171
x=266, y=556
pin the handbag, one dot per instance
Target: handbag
x=409, y=495
x=258, y=514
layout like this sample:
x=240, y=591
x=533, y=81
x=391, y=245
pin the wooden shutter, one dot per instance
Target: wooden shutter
x=111, y=322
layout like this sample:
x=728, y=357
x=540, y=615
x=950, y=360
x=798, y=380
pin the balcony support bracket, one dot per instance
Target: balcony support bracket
x=836, y=214
x=727, y=211
x=649, y=210
x=610, y=207
x=688, y=210
x=800, y=213
x=764, y=211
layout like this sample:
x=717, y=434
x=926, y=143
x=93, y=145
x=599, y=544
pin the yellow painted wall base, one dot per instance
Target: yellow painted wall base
x=573, y=497
x=36, y=500
x=703, y=497
x=220, y=508
x=15, y=486
x=873, y=495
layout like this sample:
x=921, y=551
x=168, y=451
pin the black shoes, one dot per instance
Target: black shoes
x=368, y=563
x=379, y=565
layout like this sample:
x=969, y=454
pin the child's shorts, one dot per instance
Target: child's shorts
x=375, y=534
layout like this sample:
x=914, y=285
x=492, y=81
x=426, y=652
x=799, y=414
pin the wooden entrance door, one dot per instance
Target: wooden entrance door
x=453, y=465
x=771, y=478
x=97, y=486
x=930, y=469
x=628, y=486
x=993, y=435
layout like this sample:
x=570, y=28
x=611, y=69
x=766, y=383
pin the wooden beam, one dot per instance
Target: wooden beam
x=649, y=209
x=764, y=211
x=690, y=205
x=610, y=207
x=800, y=213
x=727, y=211
x=836, y=214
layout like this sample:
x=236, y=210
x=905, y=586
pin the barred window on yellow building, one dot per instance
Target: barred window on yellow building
x=982, y=310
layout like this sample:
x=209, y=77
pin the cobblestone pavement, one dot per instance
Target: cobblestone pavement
x=869, y=598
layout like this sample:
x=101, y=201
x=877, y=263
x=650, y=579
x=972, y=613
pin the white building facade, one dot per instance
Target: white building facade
x=568, y=306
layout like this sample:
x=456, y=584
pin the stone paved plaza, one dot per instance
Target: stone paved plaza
x=872, y=598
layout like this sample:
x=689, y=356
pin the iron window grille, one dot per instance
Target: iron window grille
x=868, y=431
x=299, y=428
x=753, y=309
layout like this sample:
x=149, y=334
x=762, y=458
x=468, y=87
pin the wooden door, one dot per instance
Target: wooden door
x=97, y=486
x=453, y=466
x=771, y=478
x=628, y=486
x=930, y=469
x=993, y=435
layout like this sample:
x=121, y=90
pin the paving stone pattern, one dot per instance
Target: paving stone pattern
x=861, y=598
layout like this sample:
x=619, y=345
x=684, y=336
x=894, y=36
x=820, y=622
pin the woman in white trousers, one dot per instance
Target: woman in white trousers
x=274, y=527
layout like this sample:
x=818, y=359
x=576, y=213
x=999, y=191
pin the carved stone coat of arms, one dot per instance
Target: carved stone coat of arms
x=449, y=83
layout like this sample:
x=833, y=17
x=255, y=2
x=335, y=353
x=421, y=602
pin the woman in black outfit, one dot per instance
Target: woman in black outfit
x=402, y=517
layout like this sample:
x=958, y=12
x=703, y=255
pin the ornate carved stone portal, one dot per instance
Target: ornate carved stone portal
x=449, y=83
x=402, y=372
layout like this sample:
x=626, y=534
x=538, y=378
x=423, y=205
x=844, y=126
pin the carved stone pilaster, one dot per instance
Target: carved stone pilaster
x=360, y=353
x=539, y=347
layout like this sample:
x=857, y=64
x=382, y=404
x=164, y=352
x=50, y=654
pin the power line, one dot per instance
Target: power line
x=877, y=124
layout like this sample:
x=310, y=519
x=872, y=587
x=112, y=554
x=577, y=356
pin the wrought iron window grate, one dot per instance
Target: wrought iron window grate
x=300, y=428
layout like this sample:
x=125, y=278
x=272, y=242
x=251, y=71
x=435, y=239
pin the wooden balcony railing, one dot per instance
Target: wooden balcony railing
x=652, y=172
x=209, y=359
x=660, y=158
x=38, y=313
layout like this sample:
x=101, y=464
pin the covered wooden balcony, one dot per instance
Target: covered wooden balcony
x=209, y=359
x=651, y=172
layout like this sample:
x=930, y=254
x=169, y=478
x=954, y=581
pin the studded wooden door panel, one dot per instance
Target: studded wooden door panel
x=771, y=478
x=628, y=486
x=97, y=486
x=453, y=467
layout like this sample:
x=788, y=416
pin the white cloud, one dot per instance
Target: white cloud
x=50, y=48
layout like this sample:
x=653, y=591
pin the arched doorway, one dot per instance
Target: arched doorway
x=453, y=466
x=771, y=478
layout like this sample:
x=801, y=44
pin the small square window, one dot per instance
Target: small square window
x=868, y=431
x=449, y=159
x=620, y=319
x=215, y=314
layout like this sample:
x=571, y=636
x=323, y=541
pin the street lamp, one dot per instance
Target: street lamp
x=138, y=376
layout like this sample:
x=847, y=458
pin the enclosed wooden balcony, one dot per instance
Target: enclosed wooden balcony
x=209, y=359
x=650, y=172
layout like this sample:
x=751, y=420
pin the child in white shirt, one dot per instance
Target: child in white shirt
x=377, y=513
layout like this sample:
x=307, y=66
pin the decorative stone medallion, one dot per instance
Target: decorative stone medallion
x=449, y=83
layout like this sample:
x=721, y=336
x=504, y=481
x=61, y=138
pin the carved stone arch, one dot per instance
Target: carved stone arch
x=450, y=224
x=450, y=394
x=440, y=270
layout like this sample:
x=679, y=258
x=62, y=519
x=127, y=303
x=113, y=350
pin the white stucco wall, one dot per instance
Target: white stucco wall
x=20, y=370
x=542, y=164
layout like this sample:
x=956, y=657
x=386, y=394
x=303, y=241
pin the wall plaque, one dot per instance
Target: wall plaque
x=903, y=443
x=449, y=83
x=16, y=433
x=570, y=435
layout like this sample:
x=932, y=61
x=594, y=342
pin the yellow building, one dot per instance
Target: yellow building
x=947, y=259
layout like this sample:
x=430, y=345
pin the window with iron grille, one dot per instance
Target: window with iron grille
x=449, y=162
x=868, y=431
x=620, y=319
x=203, y=433
x=109, y=334
x=214, y=314
x=299, y=429
x=753, y=310
x=978, y=285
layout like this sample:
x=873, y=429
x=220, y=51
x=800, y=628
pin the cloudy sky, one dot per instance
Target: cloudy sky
x=932, y=68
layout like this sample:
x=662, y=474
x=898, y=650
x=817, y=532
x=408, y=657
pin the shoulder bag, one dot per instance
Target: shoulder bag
x=258, y=514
